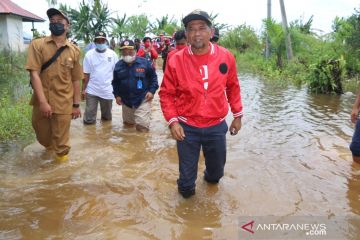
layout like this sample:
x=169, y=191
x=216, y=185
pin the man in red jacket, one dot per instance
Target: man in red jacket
x=149, y=52
x=180, y=43
x=199, y=84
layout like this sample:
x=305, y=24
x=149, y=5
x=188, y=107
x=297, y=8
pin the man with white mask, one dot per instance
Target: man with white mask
x=134, y=85
x=99, y=64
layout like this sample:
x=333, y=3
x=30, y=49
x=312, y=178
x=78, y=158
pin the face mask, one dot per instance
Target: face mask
x=129, y=59
x=179, y=47
x=101, y=47
x=57, y=29
x=147, y=44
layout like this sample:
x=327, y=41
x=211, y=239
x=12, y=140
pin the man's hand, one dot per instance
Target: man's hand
x=354, y=115
x=149, y=96
x=235, y=126
x=83, y=95
x=118, y=100
x=177, y=131
x=76, y=113
x=45, y=109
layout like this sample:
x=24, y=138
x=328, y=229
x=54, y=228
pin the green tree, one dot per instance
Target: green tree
x=119, y=26
x=277, y=40
x=303, y=27
x=346, y=37
x=88, y=19
x=137, y=26
x=242, y=38
x=101, y=19
x=164, y=25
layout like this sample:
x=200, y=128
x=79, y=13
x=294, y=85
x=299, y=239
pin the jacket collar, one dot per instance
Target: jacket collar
x=212, y=49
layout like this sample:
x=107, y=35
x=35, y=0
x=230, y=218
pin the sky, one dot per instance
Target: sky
x=231, y=12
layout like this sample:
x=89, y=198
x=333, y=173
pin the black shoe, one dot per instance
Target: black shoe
x=211, y=181
x=187, y=193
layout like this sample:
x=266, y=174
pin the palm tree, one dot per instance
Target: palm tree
x=100, y=16
x=81, y=27
x=289, y=51
x=88, y=19
x=267, y=46
x=52, y=3
x=164, y=25
x=137, y=26
x=276, y=36
x=119, y=26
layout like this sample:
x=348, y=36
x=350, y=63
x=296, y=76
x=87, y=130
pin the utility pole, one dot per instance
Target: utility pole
x=267, y=43
x=289, y=51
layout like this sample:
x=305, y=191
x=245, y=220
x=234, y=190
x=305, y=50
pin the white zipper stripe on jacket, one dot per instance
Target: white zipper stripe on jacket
x=212, y=49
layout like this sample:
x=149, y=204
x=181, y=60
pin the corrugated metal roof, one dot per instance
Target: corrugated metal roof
x=8, y=7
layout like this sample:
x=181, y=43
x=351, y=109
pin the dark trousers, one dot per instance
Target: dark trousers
x=212, y=140
x=355, y=143
x=92, y=106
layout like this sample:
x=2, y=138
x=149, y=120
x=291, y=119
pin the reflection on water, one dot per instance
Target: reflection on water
x=290, y=159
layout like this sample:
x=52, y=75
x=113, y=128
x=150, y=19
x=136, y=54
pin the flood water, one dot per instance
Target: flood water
x=291, y=158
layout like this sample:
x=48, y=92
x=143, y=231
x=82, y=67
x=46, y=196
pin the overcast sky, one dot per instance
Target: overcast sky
x=231, y=12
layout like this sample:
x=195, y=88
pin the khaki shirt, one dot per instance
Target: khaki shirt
x=57, y=80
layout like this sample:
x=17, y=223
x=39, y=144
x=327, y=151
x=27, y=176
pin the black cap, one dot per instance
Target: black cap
x=53, y=11
x=146, y=38
x=197, y=15
x=100, y=34
x=127, y=44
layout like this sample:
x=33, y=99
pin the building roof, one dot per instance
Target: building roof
x=8, y=7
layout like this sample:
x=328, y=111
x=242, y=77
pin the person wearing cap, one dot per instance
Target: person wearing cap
x=199, y=84
x=148, y=52
x=215, y=37
x=56, y=88
x=134, y=85
x=165, y=51
x=98, y=65
x=180, y=43
x=112, y=43
x=137, y=44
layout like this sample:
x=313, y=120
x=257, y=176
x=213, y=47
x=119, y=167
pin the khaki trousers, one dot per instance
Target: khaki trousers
x=52, y=133
x=138, y=116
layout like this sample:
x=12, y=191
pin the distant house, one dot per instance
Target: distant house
x=11, y=29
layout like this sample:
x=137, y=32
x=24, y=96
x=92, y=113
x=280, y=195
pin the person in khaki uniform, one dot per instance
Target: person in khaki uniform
x=56, y=95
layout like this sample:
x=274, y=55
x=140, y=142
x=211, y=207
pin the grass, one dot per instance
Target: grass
x=15, y=119
x=15, y=112
x=292, y=73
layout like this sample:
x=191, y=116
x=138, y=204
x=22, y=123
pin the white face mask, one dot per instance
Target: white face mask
x=129, y=59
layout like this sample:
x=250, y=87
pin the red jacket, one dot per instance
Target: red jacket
x=184, y=97
x=171, y=52
x=151, y=56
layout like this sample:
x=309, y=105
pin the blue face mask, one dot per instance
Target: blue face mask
x=101, y=47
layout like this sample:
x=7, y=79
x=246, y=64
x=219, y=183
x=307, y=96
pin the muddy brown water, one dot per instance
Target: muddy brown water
x=291, y=158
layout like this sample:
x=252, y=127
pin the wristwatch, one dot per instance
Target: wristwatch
x=76, y=105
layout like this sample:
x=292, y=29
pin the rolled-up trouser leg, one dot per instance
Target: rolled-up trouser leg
x=60, y=125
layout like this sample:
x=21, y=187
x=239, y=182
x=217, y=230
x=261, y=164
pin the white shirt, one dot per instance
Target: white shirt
x=100, y=66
